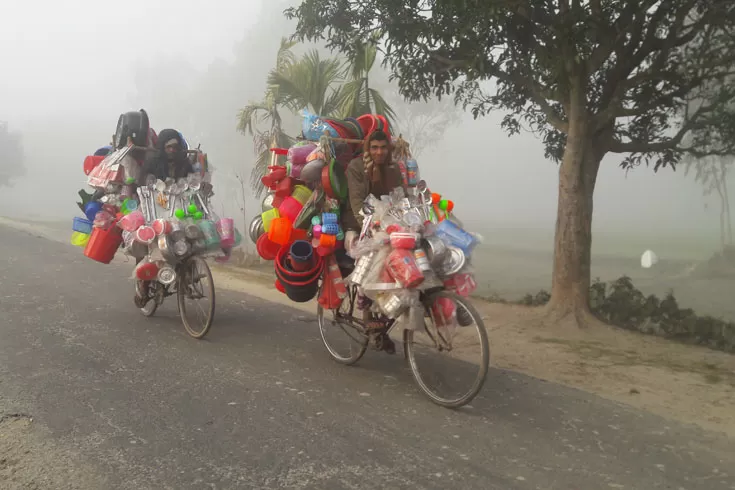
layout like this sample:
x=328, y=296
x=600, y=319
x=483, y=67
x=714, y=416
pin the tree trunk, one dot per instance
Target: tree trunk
x=728, y=210
x=570, y=290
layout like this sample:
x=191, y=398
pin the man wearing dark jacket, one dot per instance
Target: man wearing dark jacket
x=170, y=161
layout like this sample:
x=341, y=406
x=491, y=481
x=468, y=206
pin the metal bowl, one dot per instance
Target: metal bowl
x=267, y=203
x=165, y=245
x=453, y=262
x=256, y=228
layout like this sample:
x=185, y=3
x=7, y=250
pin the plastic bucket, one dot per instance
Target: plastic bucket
x=268, y=217
x=91, y=209
x=301, y=193
x=103, y=244
x=290, y=208
x=82, y=225
x=266, y=248
x=299, y=286
x=280, y=231
x=79, y=239
x=301, y=254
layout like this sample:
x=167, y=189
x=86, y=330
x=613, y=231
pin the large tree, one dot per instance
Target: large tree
x=591, y=77
x=12, y=158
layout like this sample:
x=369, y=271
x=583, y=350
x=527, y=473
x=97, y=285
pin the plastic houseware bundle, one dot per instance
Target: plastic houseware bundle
x=121, y=214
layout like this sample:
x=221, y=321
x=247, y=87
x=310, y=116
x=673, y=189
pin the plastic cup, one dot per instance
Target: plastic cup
x=226, y=230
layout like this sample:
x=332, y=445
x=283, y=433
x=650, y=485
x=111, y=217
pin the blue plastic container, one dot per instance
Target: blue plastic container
x=330, y=228
x=456, y=236
x=329, y=219
x=82, y=225
x=91, y=209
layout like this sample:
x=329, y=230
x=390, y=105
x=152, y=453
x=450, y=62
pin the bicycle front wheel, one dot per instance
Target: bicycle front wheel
x=196, y=286
x=450, y=356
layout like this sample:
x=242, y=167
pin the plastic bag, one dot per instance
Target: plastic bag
x=402, y=266
x=298, y=153
x=463, y=283
x=314, y=126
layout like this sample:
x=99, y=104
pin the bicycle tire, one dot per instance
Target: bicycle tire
x=181, y=296
x=347, y=361
x=485, y=362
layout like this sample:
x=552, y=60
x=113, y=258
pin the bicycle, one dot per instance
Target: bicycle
x=438, y=339
x=190, y=275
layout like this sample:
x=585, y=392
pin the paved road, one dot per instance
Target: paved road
x=258, y=404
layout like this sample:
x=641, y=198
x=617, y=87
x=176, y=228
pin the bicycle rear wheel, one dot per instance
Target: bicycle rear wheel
x=450, y=321
x=152, y=305
x=196, y=284
x=344, y=338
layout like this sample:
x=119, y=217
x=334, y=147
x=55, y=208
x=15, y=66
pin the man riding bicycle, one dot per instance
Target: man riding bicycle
x=371, y=173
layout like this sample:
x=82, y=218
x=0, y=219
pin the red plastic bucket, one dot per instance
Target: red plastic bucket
x=267, y=249
x=103, y=243
x=299, y=286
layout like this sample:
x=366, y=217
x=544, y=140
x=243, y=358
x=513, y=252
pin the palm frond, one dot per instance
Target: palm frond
x=260, y=168
x=382, y=107
x=250, y=115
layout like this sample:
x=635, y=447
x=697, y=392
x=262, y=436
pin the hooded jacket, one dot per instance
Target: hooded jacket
x=158, y=163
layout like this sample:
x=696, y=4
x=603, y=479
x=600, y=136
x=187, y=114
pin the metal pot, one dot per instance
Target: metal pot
x=165, y=245
x=453, y=262
x=436, y=251
x=256, y=228
x=193, y=232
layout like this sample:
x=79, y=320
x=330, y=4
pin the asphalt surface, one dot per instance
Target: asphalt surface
x=259, y=404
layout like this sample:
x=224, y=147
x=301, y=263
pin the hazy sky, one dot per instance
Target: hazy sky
x=71, y=64
x=76, y=54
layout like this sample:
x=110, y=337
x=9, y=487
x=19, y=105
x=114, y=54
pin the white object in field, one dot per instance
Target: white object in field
x=648, y=259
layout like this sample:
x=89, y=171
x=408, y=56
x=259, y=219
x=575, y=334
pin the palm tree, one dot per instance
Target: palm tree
x=310, y=84
x=357, y=95
x=267, y=110
x=325, y=86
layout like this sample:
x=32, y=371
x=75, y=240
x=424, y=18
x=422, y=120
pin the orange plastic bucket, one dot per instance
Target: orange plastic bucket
x=280, y=231
x=103, y=243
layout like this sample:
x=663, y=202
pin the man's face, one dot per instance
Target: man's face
x=171, y=148
x=379, y=151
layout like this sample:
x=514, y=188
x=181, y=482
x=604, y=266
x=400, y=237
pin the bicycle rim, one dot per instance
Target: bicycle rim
x=469, y=367
x=349, y=344
x=196, y=283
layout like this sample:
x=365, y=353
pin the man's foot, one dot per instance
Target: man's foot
x=140, y=302
x=385, y=343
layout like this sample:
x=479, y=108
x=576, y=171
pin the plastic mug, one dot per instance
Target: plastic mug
x=226, y=231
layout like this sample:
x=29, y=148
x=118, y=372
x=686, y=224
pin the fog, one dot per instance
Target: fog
x=70, y=68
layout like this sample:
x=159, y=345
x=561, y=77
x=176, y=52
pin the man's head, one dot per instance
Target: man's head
x=378, y=146
x=170, y=145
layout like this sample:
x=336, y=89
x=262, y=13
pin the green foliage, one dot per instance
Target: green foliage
x=632, y=71
x=325, y=86
x=623, y=305
x=12, y=158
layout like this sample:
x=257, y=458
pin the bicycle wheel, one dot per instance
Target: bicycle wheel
x=448, y=323
x=196, y=283
x=152, y=305
x=344, y=339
